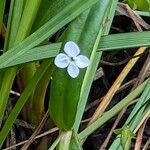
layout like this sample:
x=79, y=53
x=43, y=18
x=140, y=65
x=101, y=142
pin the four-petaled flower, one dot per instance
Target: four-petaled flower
x=71, y=59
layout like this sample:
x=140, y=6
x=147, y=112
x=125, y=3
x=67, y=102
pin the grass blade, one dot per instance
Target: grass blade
x=34, y=54
x=112, y=112
x=124, y=40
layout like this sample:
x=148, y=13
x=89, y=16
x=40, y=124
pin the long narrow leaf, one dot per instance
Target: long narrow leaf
x=124, y=40
x=107, y=42
x=34, y=54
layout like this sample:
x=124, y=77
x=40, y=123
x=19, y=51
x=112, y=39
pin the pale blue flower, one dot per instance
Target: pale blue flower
x=71, y=59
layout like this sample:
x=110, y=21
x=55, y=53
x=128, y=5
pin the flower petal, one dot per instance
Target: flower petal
x=73, y=70
x=71, y=49
x=62, y=60
x=82, y=61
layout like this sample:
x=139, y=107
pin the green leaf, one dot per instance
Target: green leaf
x=64, y=89
x=22, y=100
x=34, y=54
x=124, y=40
x=139, y=4
x=107, y=42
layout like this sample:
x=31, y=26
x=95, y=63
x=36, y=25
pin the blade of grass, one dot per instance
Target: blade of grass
x=75, y=144
x=2, y=8
x=12, y=26
x=10, y=56
x=34, y=54
x=112, y=112
x=124, y=40
x=107, y=42
x=140, y=105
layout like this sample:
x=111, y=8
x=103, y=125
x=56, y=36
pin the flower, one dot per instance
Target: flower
x=71, y=59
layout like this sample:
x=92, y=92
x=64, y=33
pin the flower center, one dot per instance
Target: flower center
x=73, y=59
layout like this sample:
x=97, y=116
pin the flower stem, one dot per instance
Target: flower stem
x=65, y=140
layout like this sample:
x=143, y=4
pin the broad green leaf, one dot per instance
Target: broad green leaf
x=66, y=90
x=59, y=76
